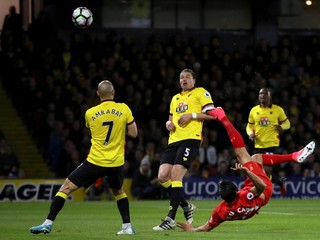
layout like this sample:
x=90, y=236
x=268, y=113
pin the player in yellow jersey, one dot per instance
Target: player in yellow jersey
x=265, y=122
x=109, y=122
x=185, y=126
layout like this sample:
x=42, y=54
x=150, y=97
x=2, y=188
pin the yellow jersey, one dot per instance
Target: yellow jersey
x=191, y=101
x=262, y=120
x=108, y=124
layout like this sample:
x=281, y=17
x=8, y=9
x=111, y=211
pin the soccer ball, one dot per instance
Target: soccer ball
x=82, y=17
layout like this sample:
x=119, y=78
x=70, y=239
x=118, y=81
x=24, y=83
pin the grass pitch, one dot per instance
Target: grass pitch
x=280, y=219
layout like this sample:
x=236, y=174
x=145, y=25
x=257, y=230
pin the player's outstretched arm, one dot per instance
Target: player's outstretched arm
x=189, y=228
x=185, y=119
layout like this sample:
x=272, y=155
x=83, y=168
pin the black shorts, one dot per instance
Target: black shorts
x=270, y=150
x=87, y=173
x=182, y=152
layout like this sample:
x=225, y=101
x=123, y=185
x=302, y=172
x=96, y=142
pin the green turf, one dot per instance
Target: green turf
x=280, y=219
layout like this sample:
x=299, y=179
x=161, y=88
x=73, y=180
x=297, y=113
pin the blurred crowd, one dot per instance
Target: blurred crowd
x=9, y=163
x=56, y=76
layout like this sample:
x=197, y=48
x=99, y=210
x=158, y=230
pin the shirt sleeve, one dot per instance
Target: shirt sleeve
x=249, y=129
x=250, y=118
x=205, y=97
x=283, y=120
x=86, y=119
x=285, y=125
x=215, y=218
x=128, y=111
x=250, y=124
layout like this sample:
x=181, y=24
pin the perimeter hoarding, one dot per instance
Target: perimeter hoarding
x=297, y=187
x=194, y=188
x=34, y=190
x=44, y=190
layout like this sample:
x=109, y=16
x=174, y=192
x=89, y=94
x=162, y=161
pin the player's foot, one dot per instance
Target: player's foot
x=305, y=152
x=217, y=113
x=165, y=225
x=188, y=214
x=128, y=230
x=43, y=228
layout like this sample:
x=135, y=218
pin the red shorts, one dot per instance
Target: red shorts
x=257, y=169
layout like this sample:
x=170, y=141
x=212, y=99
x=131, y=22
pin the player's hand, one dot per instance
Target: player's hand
x=277, y=128
x=252, y=137
x=239, y=168
x=185, y=226
x=184, y=120
x=170, y=126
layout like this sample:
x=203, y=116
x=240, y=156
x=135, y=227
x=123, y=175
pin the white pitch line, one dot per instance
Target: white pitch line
x=291, y=214
x=270, y=213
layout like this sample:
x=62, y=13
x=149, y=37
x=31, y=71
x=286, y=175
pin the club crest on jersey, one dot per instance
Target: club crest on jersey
x=264, y=121
x=250, y=195
x=182, y=107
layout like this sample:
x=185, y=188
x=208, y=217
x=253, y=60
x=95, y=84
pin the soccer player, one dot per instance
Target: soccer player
x=257, y=188
x=185, y=126
x=109, y=122
x=265, y=122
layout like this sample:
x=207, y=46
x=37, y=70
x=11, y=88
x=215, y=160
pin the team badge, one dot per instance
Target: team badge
x=250, y=196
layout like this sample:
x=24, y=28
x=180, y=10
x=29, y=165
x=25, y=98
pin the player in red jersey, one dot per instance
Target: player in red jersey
x=257, y=188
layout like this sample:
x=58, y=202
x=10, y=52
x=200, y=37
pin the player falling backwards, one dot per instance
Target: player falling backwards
x=257, y=188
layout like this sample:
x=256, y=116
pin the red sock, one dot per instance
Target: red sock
x=274, y=159
x=234, y=136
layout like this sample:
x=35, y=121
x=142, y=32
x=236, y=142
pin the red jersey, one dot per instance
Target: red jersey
x=246, y=204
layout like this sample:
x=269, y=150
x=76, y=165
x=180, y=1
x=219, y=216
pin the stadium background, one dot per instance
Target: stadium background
x=130, y=43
